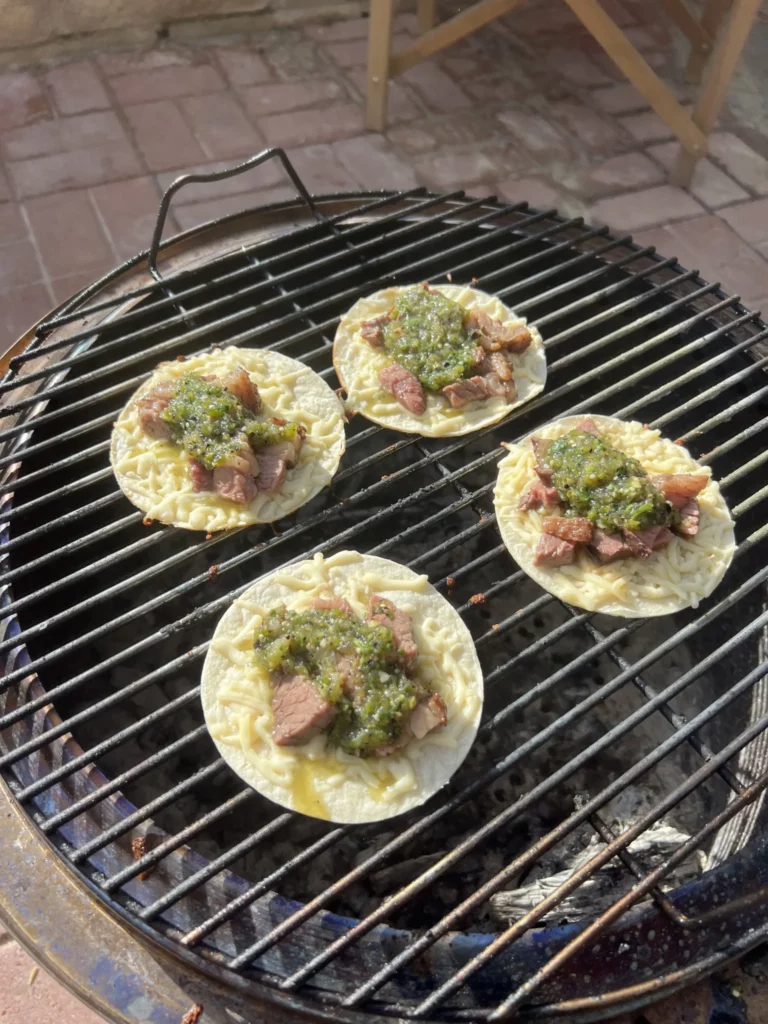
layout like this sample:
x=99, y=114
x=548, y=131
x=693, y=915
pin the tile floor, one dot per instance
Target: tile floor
x=528, y=109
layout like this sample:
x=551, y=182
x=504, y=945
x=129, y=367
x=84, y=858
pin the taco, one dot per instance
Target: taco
x=611, y=517
x=346, y=688
x=439, y=360
x=226, y=439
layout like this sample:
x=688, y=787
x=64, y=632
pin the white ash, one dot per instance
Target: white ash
x=607, y=885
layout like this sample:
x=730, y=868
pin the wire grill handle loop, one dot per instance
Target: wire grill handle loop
x=228, y=172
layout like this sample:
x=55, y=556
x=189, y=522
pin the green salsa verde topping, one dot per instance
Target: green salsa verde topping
x=426, y=335
x=312, y=642
x=211, y=424
x=603, y=484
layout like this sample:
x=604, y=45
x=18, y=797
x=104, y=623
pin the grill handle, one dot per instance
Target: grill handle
x=228, y=172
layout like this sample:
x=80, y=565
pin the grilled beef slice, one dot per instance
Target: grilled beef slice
x=239, y=384
x=539, y=495
x=552, y=551
x=150, y=406
x=299, y=711
x=405, y=387
x=383, y=612
x=576, y=529
x=372, y=331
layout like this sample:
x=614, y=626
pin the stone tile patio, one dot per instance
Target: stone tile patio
x=528, y=109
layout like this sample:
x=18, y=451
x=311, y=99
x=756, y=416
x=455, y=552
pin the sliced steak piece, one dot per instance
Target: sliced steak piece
x=539, y=495
x=689, y=518
x=678, y=488
x=589, y=426
x=541, y=447
x=272, y=470
x=428, y=715
x=235, y=479
x=285, y=451
x=495, y=362
x=552, y=551
x=608, y=547
x=642, y=542
x=150, y=406
x=372, y=331
x=239, y=384
x=494, y=335
x=324, y=604
x=500, y=388
x=516, y=339
x=463, y=391
x=299, y=711
x=478, y=358
x=202, y=478
x=405, y=387
x=383, y=612
x=576, y=529
x=663, y=537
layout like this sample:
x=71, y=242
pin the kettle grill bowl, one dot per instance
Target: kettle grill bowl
x=107, y=620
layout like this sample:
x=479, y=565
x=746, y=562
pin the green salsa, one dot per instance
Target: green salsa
x=211, y=424
x=426, y=335
x=603, y=484
x=313, y=641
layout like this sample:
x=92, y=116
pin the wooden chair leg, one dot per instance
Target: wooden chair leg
x=723, y=63
x=427, y=14
x=711, y=19
x=379, y=50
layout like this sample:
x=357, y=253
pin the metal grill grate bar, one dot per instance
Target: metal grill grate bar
x=15, y=755
x=145, y=291
x=683, y=300
x=626, y=837
x=119, y=781
x=341, y=277
x=551, y=395
x=599, y=695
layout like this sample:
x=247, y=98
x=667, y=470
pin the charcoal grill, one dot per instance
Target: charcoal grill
x=140, y=869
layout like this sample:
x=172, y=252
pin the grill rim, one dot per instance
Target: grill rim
x=113, y=275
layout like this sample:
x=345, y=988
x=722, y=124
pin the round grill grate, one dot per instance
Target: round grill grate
x=596, y=731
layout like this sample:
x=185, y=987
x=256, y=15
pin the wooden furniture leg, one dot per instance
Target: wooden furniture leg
x=698, y=36
x=640, y=73
x=723, y=63
x=379, y=47
x=711, y=19
x=457, y=27
x=427, y=14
